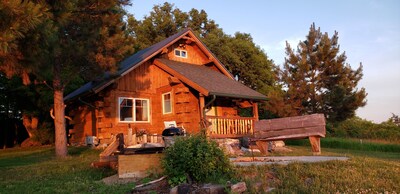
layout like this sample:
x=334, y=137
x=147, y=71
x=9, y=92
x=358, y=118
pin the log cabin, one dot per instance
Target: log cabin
x=177, y=79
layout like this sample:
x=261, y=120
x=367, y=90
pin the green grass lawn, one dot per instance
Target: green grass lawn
x=36, y=170
x=367, y=170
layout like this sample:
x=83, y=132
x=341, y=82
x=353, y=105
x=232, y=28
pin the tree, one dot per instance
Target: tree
x=317, y=79
x=77, y=39
x=18, y=17
x=241, y=56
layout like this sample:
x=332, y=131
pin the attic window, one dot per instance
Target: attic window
x=180, y=53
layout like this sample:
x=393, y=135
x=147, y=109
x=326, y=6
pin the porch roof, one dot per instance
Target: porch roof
x=208, y=81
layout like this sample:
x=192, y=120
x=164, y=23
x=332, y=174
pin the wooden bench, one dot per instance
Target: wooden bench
x=299, y=127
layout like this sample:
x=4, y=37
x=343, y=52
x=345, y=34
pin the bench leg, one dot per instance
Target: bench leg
x=315, y=145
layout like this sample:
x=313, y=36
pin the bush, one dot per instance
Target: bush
x=363, y=129
x=197, y=159
x=44, y=134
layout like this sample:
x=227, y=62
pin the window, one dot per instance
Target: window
x=134, y=110
x=167, y=103
x=125, y=109
x=181, y=53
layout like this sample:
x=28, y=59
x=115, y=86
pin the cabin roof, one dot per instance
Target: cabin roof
x=208, y=81
x=142, y=56
x=124, y=67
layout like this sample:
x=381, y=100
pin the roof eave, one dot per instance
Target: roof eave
x=242, y=96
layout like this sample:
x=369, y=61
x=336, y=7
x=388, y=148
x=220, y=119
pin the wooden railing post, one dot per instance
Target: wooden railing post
x=231, y=126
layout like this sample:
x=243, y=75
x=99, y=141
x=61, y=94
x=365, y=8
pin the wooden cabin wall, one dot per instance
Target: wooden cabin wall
x=147, y=81
x=194, y=54
x=150, y=82
x=226, y=108
x=83, y=124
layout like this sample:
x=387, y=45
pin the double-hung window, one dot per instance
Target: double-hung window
x=167, y=103
x=133, y=109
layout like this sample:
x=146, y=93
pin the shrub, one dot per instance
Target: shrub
x=44, y=134
x=360, y=128
x=197, y=159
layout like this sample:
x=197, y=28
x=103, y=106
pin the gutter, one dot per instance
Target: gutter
x=262, y=97
x=86, y=103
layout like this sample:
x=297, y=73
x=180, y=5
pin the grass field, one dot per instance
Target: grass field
x=364, y=172
x=36, y=170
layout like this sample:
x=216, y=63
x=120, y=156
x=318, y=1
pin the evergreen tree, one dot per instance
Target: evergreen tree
x=17, y=18
x=76, y=39
x=317, y=78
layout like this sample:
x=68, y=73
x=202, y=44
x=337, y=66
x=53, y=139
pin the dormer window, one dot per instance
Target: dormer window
x=180, y=53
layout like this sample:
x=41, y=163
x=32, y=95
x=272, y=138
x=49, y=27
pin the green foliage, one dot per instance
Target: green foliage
x=196, y=158
x=360, y=128
x=18, y=17
x=44, y=134
x=318, y=79
x=61, y=42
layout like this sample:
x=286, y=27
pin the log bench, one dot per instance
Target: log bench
x=299, y=127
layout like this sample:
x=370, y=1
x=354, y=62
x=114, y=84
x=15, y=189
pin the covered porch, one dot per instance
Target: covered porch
x=222, y=117
x=220, y=98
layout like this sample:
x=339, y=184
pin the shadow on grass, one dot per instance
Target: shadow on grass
x=27, y=158
x=76, y=151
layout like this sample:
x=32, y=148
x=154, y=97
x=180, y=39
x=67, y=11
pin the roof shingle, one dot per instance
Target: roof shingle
x=214, y=82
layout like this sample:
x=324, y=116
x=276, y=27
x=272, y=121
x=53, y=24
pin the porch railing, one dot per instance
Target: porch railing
x=223, y=127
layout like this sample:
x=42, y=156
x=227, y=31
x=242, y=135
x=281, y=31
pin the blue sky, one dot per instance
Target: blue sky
x=369, y=32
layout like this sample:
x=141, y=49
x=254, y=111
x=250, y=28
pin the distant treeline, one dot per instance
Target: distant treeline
x=359, y=128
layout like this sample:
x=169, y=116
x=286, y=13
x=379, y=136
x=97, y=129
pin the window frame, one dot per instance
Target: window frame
x=163, y=102
x=180, y=53
x=120, y=99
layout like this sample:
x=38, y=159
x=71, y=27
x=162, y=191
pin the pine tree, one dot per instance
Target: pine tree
x=77, y=39
x=317, y=78
x=17, y=18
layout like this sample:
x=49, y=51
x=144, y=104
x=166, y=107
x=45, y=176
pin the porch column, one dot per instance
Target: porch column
x=202, y=104
x=255, y=110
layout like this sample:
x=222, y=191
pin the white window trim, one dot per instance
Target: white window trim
x=133, y=110
x=180, y=53
x=163, y=106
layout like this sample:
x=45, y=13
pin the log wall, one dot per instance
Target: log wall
x=194, y=54
x=145, y=81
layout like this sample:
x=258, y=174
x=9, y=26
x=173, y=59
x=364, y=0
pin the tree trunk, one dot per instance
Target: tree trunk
x=30, y=123
x=59, y=123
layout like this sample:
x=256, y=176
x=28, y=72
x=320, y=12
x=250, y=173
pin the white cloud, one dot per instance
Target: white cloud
x=293, y=41
x=276, y=50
